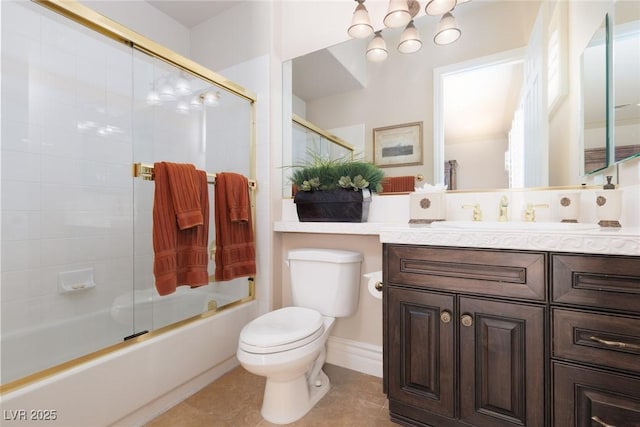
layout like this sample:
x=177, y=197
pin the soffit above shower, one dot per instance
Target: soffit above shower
x=191, y=13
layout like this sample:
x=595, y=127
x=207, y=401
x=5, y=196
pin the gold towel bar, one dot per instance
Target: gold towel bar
x=145, y=171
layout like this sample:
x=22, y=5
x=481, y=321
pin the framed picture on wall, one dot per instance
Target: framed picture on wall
x=398, y=145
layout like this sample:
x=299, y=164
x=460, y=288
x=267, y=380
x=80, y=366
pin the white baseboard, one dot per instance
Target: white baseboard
x=355, y=355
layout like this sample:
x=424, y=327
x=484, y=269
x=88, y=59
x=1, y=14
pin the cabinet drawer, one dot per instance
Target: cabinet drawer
x=481, y=271
x=612, y=341
x=586, y=397
x=611, y=282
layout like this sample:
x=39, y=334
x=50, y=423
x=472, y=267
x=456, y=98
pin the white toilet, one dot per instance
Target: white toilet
x=288, y=345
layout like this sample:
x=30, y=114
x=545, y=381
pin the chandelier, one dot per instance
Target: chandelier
x=401, y=13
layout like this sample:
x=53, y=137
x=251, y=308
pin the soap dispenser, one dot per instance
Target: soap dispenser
x=609, y=205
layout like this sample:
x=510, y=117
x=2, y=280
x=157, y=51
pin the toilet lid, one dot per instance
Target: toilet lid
x=282, y=329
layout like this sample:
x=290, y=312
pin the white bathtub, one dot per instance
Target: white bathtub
x=129, y=386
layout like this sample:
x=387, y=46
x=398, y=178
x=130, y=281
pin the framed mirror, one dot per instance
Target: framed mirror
x=401, y=89
x=595, y=124
x=336, y=88
x=625, y=38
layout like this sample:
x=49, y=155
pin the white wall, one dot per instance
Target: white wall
x=145, y=19
x=487, y=153
x=237, y=35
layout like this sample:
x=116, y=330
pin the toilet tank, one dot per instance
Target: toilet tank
x=327, y=280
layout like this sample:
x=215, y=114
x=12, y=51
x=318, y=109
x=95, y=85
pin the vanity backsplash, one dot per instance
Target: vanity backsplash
x=553, y=205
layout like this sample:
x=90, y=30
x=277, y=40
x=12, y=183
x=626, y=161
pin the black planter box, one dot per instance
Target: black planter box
x=333, y=206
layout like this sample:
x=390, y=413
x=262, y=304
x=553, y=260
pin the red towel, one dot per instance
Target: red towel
x=398, y=184
x=180, y=227
x=235, y=246
x=236, y=191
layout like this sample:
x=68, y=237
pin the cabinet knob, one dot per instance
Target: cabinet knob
x=600, y=422
x=445, y=316
x=466, y=320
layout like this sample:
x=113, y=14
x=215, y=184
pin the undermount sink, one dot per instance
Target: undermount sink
x=514, y=226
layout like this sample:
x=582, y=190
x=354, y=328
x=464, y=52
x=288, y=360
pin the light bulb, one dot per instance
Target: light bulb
x=153, y=98
x=211, y=99
x=167, y=93
x=183, y=88
x=398, y=14
x=410, y=40
x=377, y=49
x=447, y=32
x=439, y=7
x=360, y=22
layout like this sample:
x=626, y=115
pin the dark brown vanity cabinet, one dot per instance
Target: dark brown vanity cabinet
x=596, y=340
x=457, y=350
x=480, y=337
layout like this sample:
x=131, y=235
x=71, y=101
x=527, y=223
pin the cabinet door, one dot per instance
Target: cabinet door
x=421, y=357
x=588, y=397
x=501, y=363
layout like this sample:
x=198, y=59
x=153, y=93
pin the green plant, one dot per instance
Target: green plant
x=329, y=174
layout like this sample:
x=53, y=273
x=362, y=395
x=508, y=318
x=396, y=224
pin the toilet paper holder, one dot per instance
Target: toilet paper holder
x=374, y=284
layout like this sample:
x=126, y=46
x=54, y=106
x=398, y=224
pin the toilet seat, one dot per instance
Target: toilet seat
x=281, y=330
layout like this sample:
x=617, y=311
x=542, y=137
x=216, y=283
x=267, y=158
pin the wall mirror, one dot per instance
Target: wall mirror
x=337, y=88
x=308, y=143
x=594, y=101
x=486, y=93
x=625, y=33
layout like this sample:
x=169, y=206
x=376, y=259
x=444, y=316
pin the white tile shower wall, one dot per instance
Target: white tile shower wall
x=66, y=161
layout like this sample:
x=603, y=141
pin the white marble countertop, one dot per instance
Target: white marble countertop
x=618, y=241
x=364, y=228
x=612, y=241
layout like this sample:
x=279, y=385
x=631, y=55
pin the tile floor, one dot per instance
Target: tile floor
x=234, y=400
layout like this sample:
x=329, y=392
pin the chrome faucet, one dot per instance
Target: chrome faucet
x=530, y=212
x=477, y=213
x=503, y=209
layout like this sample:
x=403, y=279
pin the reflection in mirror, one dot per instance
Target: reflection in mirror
x=310, y=142
x=518, y=142
x=478, y=101
x=626, y=80
x=400, y=89
x=594, y=101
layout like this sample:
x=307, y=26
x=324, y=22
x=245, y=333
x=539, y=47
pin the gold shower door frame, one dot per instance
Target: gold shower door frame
x=89, y=18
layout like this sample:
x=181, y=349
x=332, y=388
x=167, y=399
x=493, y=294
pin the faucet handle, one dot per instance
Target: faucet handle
x=503, y=209
x=530, y=211
x=477, y=212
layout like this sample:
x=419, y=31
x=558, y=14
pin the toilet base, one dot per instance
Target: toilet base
x=287, y=401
